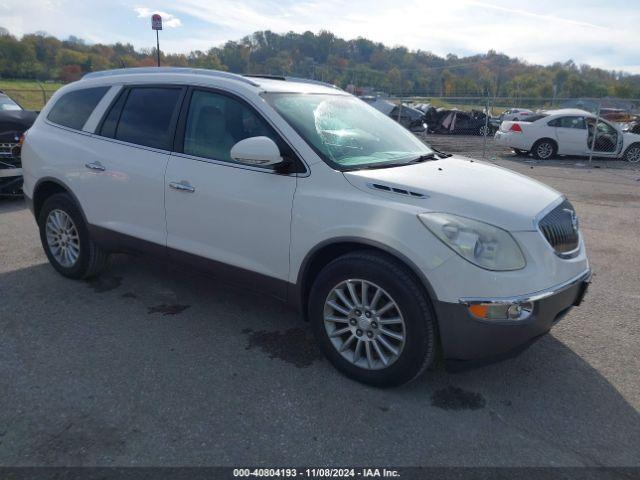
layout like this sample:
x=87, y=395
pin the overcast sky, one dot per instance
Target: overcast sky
x=600, y=33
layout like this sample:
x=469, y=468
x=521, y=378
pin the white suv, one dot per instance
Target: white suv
x=391, y=250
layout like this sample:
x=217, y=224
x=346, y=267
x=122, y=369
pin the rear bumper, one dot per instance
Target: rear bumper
x=512, y=140
x=468, y=341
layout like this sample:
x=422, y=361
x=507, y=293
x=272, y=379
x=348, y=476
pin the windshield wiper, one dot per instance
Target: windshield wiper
x=442, y=154
x=420, y=159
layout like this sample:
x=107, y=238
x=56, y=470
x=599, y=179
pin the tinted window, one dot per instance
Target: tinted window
x=215, y=123
x=110, y=122
x=148, y=116
x=74, y=108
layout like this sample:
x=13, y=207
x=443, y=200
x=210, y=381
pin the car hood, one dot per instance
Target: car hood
x=14, y=122
x=462, y=186
x=630, y=138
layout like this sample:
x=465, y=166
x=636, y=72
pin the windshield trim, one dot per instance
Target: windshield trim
x=331, y=163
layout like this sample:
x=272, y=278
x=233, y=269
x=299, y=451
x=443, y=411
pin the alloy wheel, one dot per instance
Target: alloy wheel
x=633, y=155
x=364, y=324
x=544, y=150
x=62, y=238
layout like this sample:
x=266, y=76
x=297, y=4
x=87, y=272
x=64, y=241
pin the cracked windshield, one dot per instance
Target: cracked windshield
x=346, y=132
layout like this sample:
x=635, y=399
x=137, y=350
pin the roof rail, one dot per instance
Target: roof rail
x=315, y=82
x=196, y=71
x=265, y=75
x=290, y=79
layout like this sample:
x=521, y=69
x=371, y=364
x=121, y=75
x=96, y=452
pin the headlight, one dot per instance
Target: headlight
x=480, y=243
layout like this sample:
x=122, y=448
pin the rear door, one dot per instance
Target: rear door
x=570, y=133
x=123, y=180
x=234, y=215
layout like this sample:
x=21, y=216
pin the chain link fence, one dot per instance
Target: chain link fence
x=586, y=132
x=491, y=127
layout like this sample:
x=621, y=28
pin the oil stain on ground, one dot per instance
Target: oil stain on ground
x=165, y=309
x=454, y=398
x=293, y=346
x=104, y=284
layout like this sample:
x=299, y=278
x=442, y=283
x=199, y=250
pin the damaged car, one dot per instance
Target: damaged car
x=14, y=121
x=410, y=118
x=446, y=121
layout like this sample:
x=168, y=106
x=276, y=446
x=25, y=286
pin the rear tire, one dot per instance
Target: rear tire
x=544, y=149
x=66, y=240
x=411, y=318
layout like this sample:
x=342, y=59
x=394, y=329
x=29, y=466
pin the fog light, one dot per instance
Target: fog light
x=501, y=311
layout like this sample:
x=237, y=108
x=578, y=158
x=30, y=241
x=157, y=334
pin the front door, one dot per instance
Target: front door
x=236, y=216
x=607, y=141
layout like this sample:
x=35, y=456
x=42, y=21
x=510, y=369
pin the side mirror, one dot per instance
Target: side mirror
x=257, y=151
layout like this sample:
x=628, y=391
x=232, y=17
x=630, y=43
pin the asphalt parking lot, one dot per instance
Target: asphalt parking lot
x=156, y=365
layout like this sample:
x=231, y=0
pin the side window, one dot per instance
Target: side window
x=110, y=122
x=569, y=122
x=74, y=108
x=147, y=117
x=215, y=123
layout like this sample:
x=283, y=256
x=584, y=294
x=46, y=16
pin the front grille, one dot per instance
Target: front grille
x=6, y=149
x=9, y=156
x=560, y=228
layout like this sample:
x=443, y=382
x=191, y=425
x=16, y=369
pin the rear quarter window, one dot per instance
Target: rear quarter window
x=74, y=108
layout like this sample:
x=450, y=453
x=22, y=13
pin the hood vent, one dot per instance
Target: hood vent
x=399, y=191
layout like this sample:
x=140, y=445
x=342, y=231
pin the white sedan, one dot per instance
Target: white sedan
x=516, y=114
x=568, y=132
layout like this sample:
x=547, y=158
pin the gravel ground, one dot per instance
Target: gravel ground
x=157, y=365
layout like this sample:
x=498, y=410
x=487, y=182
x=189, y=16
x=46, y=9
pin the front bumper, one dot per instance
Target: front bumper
x=468, y=341
x=10, y=180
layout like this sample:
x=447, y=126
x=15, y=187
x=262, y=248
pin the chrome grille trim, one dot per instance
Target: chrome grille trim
x=6, y=148
x=560, y=229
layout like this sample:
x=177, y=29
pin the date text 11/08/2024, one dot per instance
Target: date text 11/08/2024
x=316, y=472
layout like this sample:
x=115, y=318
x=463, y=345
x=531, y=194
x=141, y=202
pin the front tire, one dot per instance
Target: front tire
x=632, y=154
x=66, y=241
x=544, y=149
x=372, y=319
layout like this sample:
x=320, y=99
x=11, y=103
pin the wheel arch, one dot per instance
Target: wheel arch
x=552, y=140
x=327, y=251
x=47, y=186
x=541, y=139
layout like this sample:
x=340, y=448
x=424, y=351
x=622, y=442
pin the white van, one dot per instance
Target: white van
x=392, y=251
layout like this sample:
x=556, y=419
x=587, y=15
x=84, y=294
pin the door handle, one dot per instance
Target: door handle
x=182, y=186
x=95, y=166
